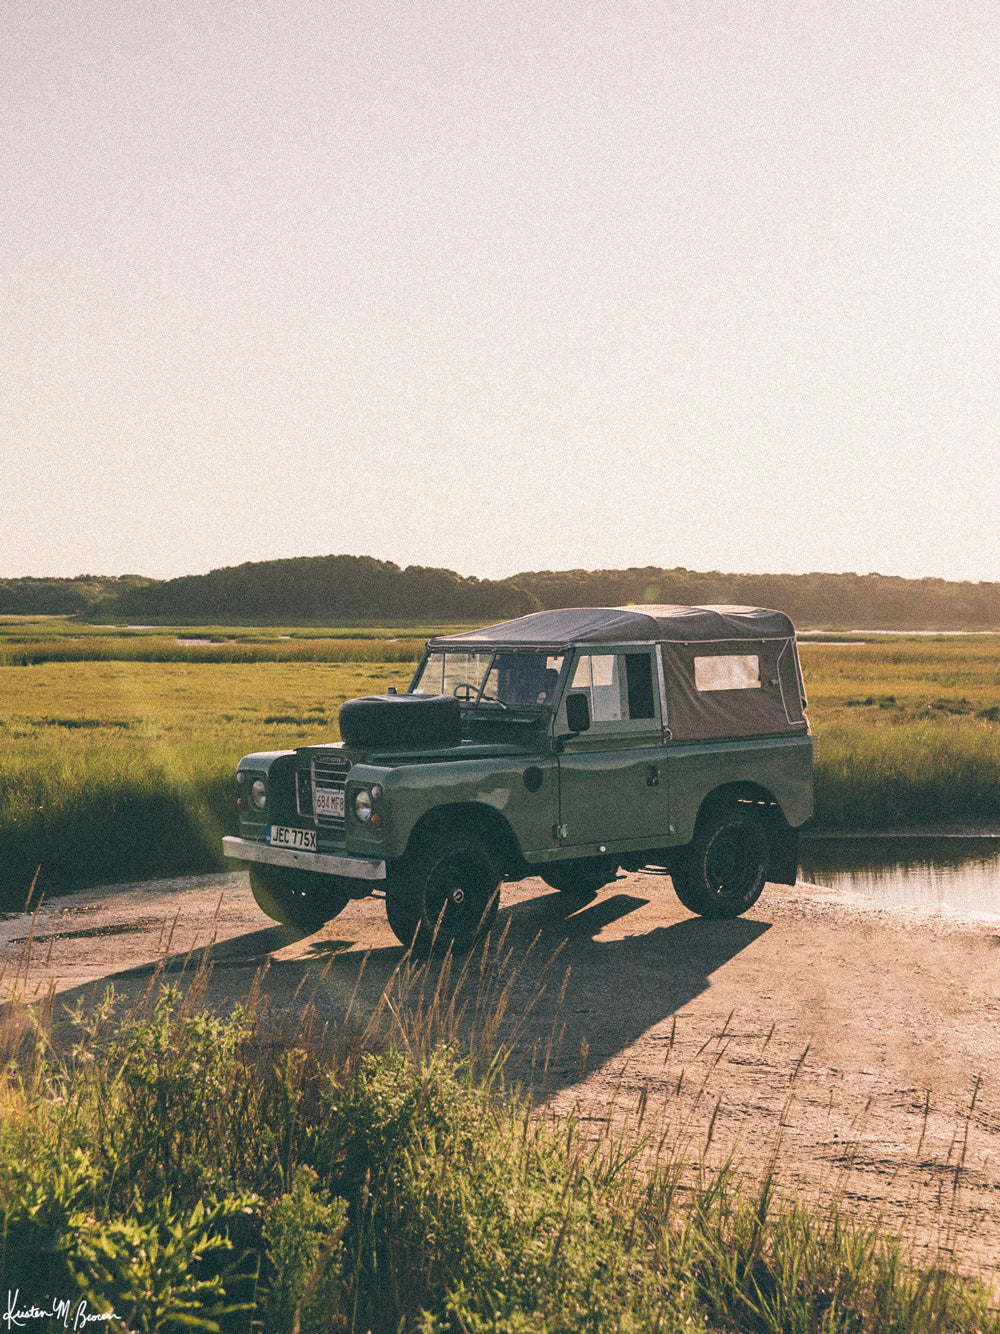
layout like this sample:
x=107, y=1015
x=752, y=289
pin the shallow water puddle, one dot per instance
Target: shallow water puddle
x=960, y=875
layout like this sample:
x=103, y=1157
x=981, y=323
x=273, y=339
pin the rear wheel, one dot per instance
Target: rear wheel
x=723, y=870
x=300, y=899
x=583, y=876
x=444, y=896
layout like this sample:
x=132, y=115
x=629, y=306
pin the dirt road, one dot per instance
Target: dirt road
x=855, y=1046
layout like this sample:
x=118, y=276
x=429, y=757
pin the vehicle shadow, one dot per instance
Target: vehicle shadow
x=543, y=983
x=606, y=994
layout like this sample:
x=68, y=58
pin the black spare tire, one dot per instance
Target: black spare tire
x=401, y=720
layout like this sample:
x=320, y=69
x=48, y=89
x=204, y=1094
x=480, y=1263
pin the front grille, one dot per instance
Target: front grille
x=326, y=773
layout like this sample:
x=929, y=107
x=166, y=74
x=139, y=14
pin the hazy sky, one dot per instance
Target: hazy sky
x=500, y=284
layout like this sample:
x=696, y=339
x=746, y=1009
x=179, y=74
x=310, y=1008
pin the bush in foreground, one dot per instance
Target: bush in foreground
x=190, y=1171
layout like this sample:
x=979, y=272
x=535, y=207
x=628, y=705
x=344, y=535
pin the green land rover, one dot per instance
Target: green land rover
x=567, y=745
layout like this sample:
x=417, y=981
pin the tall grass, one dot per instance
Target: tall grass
x=27, y=640
x=907, y=733
x=117, y=771
x=161, y=648
x=191, y=1170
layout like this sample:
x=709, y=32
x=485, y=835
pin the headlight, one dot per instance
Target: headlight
x=363, y=806
x=259, y=793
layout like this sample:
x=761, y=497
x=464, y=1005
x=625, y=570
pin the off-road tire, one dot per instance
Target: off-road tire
x=723, y=870
x=581, y=877
x=402, y=904
x=444, y=896
x=302, y=900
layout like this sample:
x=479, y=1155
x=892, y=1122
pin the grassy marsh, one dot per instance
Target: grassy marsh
x=25, y=643
x=907, y=732
x=121, y=768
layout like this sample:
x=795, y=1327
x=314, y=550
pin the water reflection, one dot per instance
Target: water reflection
x=958, y=874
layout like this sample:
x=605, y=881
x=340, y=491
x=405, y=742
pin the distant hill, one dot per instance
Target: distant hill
x=62, y=597
x=829, y=601
x=361, y=590
x=319, y=589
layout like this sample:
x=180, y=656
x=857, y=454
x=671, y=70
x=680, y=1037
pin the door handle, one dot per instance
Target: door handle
x=652, y=776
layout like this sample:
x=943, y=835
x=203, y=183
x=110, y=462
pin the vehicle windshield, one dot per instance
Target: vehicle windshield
x=515, y=679
x=458, y=673
x=523, y=680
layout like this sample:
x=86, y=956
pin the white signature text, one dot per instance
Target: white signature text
x=63, y=1311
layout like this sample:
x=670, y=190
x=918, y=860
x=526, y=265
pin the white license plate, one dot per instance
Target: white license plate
x=328, y=801
x=283, y=836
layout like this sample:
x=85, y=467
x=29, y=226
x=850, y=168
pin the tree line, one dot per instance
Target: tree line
x=62, y=597
x=827, y=601
x=346, y=590
x=362, y=590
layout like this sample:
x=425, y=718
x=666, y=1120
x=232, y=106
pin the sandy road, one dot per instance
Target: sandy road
x=856, y=1046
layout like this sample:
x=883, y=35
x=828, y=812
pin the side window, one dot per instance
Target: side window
x=730, y=671
x=599, y=677
x=618, y=686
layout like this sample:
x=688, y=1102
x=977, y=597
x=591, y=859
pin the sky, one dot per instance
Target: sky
x=500, y=286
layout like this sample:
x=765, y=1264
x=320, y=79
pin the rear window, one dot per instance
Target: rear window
x=730, y=671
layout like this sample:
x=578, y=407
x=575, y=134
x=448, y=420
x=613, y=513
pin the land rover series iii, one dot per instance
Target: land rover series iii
x=565, y=744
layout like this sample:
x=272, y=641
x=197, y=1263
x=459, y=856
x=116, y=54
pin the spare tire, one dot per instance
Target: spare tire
x=401, y=720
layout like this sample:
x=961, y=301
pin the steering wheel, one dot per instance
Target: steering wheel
x=471, y=691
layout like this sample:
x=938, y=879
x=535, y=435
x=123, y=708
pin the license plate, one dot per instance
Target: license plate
x=329, y=801
x=283, y=836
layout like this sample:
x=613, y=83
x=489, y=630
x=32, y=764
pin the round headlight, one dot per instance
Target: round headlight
x=259, y=793
x=376, y=791
x=363, y=806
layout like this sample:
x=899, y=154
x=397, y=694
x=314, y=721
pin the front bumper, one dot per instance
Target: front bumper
x=325, y=863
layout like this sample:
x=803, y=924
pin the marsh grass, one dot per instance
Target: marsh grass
x=907, y=733
x=117, y=771
x=30, y=641
x=239, y=1171
x=161, y=648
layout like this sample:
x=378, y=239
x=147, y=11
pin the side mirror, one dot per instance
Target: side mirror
x=577, y=714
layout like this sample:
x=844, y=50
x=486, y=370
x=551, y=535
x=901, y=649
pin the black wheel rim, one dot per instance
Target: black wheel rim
x=733, y=862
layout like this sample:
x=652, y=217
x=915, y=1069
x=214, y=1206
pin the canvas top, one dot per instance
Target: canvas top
x=614, y=625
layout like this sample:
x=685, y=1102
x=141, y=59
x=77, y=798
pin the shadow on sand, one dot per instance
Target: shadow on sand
x=543, y=982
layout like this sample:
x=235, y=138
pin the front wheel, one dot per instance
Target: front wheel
x=445, y=896
x=723, y=870
x=299, y=899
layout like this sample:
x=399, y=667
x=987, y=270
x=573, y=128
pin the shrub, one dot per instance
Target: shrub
x=304, y=1253
x=188, y=1171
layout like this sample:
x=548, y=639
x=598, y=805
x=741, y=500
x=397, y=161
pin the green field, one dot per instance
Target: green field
x=907, y=731
x=27, y=642
x=117, y=751
x=124, y=770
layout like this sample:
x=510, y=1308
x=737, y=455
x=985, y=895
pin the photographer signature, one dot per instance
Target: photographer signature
x=78, y=1317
